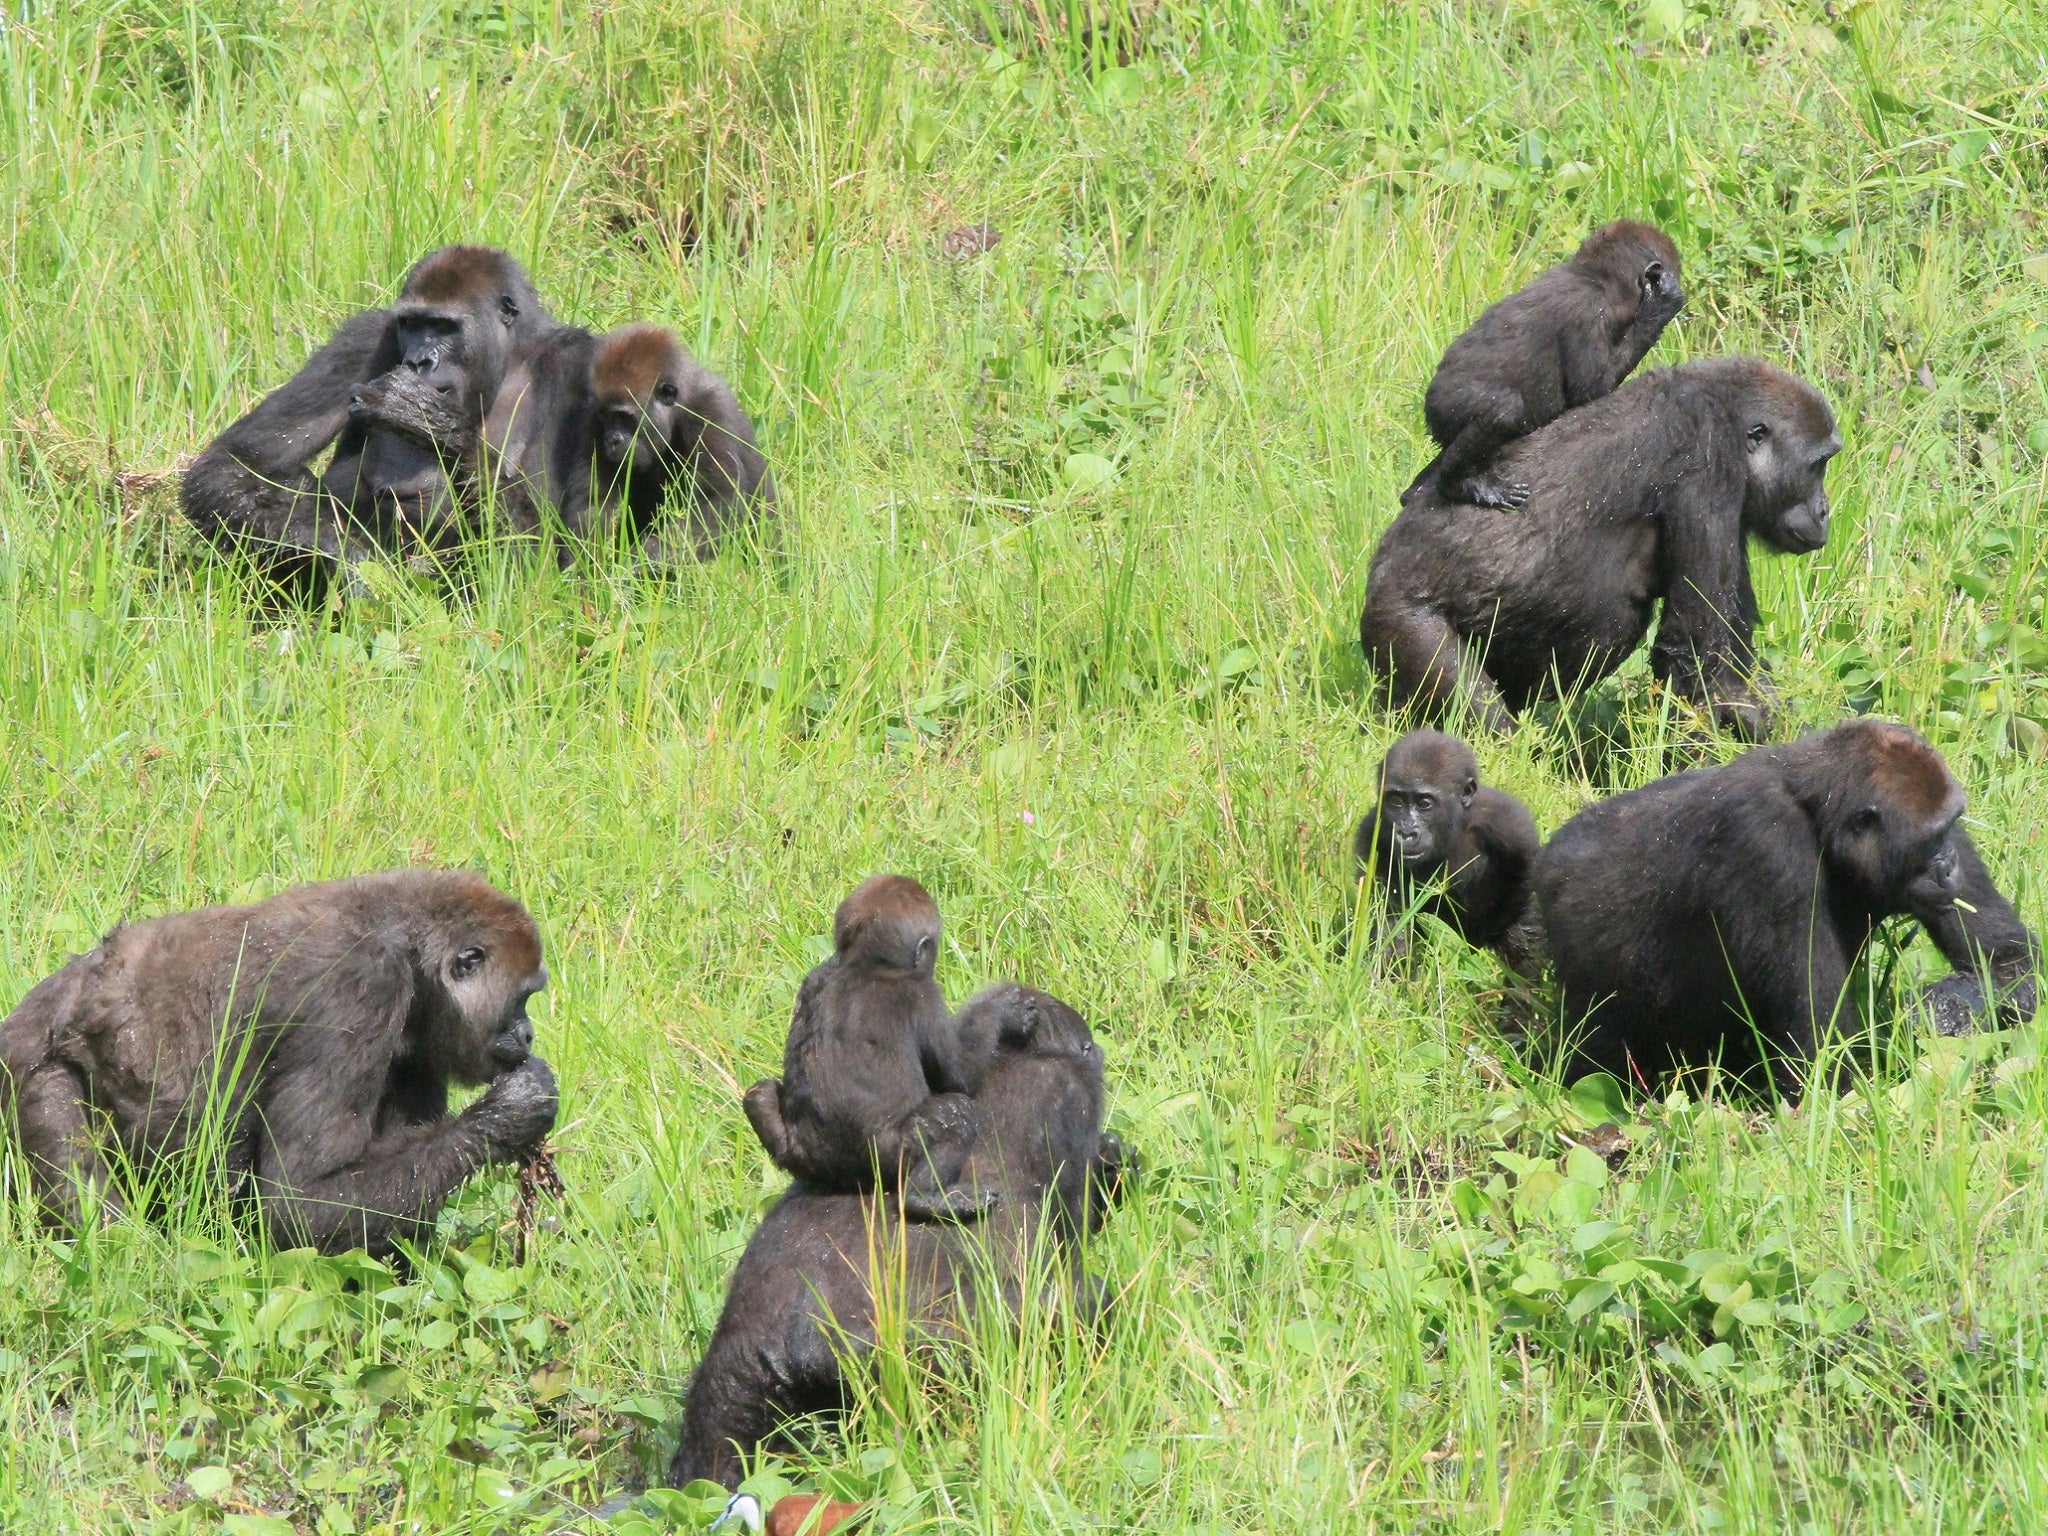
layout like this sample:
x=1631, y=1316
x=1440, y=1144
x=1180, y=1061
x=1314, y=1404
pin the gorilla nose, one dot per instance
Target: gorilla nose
x=513, y=1045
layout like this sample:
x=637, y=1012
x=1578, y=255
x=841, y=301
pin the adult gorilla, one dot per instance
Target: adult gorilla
x=409, y=396
x=1718, y=915
x=802, y=1300
x=1644, y=495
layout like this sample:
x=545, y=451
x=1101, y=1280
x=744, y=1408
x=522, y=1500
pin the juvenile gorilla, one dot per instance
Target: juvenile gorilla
x=417, y=400
x=315, y=1034
x=873, y=1093
x=1719, y=911
x=1644, y=495
x=1568, y=338
x=1437, y=826
x=802, y=1307
x=654, y=423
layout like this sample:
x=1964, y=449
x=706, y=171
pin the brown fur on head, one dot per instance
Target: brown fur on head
x=477, y=954
x=1902, y=769
x=888, y=920
x=459, y=274
x=632, y=362
x=1884, y=806
x=641, y=381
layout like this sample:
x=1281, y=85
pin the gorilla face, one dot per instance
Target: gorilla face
x=1789, y=439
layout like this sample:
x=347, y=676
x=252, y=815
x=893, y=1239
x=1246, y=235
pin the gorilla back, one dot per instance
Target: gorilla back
x=1644, y=495
x=803, y=1297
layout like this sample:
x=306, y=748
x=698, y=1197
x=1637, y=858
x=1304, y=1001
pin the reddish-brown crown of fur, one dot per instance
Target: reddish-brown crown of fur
x=1633, y=242
x=469, y=908
x=883, y=901
x=631, y=361
x=457, y=272
x=1903, y=770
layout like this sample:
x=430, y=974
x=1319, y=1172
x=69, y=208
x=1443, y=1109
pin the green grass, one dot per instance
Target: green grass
x=1119, y=728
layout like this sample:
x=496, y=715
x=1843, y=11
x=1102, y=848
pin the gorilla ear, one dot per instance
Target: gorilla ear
x=1652, y=272
x=508, y=308
x=1757, y=434
x=1471, y=788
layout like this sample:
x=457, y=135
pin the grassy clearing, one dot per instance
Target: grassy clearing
x=1062, y=622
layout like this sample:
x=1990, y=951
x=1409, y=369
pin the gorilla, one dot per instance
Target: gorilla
x=802, y=1308
x=872, y=1093
x=1718, y=914
x=314, y=1035
x=1458, y=849
x=1645, y=495
x=416, y=399
x=1569, y=337
x=653, y=423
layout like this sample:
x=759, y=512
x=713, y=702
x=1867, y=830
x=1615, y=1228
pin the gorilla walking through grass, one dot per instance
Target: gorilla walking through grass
x=1645, y=497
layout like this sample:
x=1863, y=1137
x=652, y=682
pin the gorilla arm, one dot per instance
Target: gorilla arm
x=1492, y=889
x=328, y=1173
x=1704, y=651
x=253, y=484
x=1981, y=936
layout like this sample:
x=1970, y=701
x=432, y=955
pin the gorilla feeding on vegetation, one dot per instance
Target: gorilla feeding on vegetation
x=1568, y=338
x=802, y=1306
x=873, y=1092
x=1718, y=914
x=467, y=398
x=406, y=395
x=312, y=1037
x=1441, y=842
x=1646, y=494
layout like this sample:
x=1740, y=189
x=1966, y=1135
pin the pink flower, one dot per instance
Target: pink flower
x=1027, y=818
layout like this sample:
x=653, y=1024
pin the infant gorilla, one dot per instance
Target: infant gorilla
x=874, y=1089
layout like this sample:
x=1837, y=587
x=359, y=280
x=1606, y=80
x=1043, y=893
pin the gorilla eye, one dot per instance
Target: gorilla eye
x=1865, y=820
x=1425, y=802
x=1758, y=433
x=465, y=964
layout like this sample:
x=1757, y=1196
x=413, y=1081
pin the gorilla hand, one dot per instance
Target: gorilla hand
x=404, y=402
x=1954, y=1003
x=763, y=1104
x=518, y=1110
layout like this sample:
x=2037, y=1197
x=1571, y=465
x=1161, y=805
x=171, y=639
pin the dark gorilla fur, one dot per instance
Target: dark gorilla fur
x=1680, y=912
x=873, y=1093
x=1568, y=338
x=653, y=423
x=416, y=400
x=318, y=1031
x=1644, y=495
x=1462, y=848
x=802, y=1306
